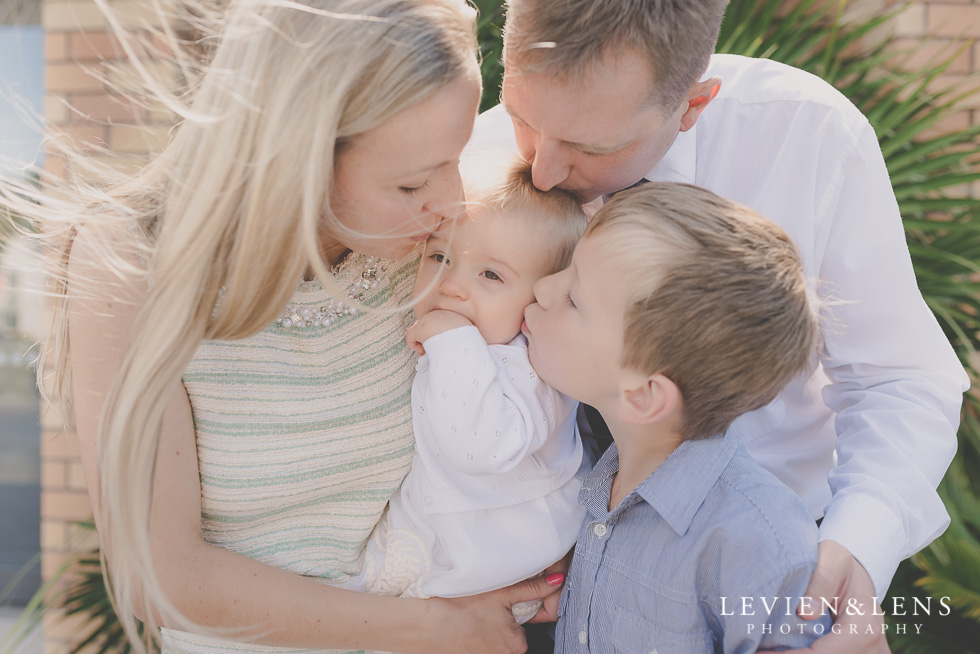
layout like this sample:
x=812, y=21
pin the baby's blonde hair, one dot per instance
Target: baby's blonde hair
x=502, y=183
x=718, y=300
x=235, y=205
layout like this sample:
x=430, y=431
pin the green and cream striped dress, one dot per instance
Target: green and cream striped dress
x=303, y=433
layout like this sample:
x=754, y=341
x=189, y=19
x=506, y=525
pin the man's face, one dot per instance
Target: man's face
x=593, y=135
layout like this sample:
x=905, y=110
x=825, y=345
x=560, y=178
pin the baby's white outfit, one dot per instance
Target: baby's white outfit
x=492, y=496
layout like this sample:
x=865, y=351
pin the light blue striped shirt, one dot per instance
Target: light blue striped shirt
x=701, y=557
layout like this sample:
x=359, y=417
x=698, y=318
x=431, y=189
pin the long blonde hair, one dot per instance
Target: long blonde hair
x=235, y=205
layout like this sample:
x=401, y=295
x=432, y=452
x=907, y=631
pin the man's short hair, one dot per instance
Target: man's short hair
x=564, y=37
x=501, y=182
x=718, y=299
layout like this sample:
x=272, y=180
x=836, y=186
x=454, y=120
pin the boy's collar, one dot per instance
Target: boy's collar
x=676, y=490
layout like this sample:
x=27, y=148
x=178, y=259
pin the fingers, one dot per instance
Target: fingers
x=534, y=589
x=829, y=577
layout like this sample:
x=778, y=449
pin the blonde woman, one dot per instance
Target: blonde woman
x=230, y=336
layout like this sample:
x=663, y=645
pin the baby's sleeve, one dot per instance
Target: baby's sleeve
x=481, y=413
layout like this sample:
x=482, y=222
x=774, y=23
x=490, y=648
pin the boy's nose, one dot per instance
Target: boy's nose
x=541, y=291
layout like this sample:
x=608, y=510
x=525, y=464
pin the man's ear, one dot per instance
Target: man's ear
x=649, y=399
x=698, y=98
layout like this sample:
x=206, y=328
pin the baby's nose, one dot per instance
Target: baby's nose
x=453, y=287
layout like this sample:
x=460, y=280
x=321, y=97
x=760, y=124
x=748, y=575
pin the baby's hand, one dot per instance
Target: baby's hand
x=435, y=322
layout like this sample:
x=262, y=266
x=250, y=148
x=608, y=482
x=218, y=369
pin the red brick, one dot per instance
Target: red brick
x=58, y=445
x=93, y=46
x=108, y=108
x=54, y=474
x=84, y=135
x=55, y=47
x=63, y=78
x=919, y=54
x=65, y=506
x=958, y=21
x=957, y=121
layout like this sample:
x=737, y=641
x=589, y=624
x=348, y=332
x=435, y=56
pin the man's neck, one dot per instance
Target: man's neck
x=641, y=448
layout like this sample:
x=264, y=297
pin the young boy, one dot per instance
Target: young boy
x=680, y=312
x=491, y=498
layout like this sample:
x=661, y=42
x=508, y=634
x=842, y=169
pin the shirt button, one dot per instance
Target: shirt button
x=428, y=499
x=583, y=637
x=599, y=530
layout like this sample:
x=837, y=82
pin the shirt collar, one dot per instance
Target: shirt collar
x=680, y=164
x=676, y=490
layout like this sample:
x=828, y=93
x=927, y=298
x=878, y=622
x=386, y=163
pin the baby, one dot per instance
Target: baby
x=491, y=498
x=680, y=312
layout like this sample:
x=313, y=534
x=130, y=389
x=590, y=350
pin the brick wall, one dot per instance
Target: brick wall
x=82, y=68
x=940, y=28
x=85, y=72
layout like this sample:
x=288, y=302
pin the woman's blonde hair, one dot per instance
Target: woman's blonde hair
x=235, y=206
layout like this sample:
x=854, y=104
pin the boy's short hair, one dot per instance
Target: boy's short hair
x=564, y=37
x=718, y=302
x=502, y=183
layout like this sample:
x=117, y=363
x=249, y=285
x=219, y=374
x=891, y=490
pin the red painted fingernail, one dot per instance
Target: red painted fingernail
x=555, y=579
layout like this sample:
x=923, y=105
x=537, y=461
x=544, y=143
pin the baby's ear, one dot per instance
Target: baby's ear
x=646, y=399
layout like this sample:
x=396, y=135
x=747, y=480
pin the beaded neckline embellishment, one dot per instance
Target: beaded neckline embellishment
x=357, y=274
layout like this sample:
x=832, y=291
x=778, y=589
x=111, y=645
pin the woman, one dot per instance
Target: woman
x=240, y=428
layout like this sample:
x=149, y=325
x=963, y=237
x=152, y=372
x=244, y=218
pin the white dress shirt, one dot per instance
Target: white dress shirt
x=492, y=496
x=867, y=433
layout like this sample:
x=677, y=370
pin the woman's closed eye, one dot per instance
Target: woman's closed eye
x=411, y=190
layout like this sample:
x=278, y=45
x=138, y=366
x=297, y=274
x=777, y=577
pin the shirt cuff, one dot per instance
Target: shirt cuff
x=871, y=531
x=454, y=340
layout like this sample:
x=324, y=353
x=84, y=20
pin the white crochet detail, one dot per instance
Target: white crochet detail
x=406, y=561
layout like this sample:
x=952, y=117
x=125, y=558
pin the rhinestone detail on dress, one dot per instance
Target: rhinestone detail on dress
x=358, y=272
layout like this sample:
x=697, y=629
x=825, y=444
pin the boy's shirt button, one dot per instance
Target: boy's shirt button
x=583, y=637
x=599, y=530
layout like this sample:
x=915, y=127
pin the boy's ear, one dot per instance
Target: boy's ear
x=698, y=98
x=648, y=399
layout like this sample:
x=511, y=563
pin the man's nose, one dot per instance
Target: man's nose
x=549, y=167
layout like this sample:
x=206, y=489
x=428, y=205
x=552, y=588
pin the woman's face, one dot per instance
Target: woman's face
x=397, y=182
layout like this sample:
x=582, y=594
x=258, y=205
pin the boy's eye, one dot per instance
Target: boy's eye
x=492, y=276
x=568, y=298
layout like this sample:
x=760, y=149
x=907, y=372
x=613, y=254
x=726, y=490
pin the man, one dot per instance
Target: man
x=602, y=94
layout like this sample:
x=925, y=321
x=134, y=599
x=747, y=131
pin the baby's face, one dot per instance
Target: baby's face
x=484, y=267
x=575, y=329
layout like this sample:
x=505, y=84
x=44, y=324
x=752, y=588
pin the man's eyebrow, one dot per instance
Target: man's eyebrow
x=592, y=148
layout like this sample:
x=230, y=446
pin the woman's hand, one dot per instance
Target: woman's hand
x=484, y=624
x=549, y=612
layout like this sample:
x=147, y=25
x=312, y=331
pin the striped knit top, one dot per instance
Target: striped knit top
x=304, y=432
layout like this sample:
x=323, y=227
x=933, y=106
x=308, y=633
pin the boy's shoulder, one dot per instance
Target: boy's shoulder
x=760, y=529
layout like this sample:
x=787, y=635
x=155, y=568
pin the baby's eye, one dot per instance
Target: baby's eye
x=492, y=276
x=439, y=257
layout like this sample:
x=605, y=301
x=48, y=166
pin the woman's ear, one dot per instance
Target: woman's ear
x=700, y=95
x=649, y=399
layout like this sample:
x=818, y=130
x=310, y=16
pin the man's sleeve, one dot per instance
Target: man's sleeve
x=896, y=383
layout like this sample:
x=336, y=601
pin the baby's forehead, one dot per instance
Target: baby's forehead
x=516, y=237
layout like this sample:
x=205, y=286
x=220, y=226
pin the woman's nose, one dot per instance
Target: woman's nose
x=446, y=199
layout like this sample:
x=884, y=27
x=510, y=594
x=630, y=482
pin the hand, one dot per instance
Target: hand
x=435, y=322
x=549, y=612
x=838, y=574
x=484, y=624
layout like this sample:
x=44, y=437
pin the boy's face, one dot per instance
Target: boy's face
x=575, y=329
x=484, y=267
